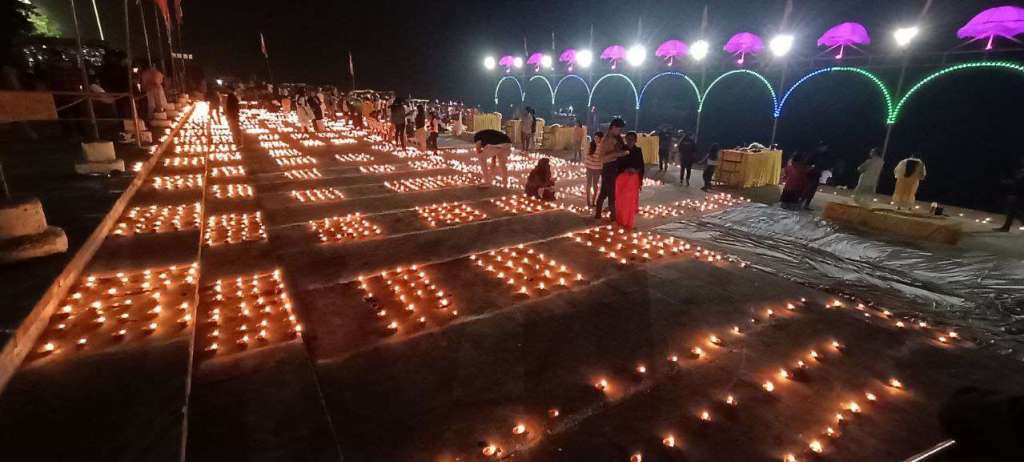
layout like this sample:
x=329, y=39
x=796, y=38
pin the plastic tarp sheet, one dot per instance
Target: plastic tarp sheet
x=976, y=290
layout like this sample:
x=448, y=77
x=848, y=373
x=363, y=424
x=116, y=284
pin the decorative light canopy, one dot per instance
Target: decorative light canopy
x=1002, y=21
x=671, y=49
x=614, y=54
x=506, y=62
x=568, y=57
x=537, y=60
x=743, y=44
x=844, y=35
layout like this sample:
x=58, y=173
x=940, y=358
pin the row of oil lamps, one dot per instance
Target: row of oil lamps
x=317, y=195
x=159, y=219
x=246, y=312
x=526, y=271
x=233, y=191
x=430, y=183
x=344, y=228
x=411, y=295
x=105, y=310
x=233, y=228
x=449, y=214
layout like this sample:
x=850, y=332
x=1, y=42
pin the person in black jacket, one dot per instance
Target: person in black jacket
x=1014, y=198
x=710, y=164
x=232, y=107
x=633, y=161
x=687, y=157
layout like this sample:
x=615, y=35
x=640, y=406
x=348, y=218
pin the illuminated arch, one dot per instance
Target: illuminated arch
x=570, y=76
x=872, y=77
x=958, y=67
x=548, y=82
x=768, y=85
x=693, y=85
x=636, y=96
x=522, y=94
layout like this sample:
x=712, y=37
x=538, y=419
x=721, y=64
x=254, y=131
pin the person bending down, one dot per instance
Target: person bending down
x=492, y=144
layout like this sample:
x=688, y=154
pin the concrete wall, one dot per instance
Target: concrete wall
x=26, y=105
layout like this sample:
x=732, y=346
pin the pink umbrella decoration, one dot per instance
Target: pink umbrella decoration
x=507, y=62
x=743, y=44
x=671, y=49
x=614, y=54
x=535, y=60
x=569, y=57
x=1004, y=21
x=843, y=35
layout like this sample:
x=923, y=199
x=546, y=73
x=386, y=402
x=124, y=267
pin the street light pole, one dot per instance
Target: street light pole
x=782, y=88
x=131, y=75
x=145, y=32
x=94, y=130
x=703, y=82
x=899, y=90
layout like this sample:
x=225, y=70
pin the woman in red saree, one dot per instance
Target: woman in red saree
x=628, y=183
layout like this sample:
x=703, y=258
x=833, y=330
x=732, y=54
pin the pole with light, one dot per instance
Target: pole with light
x=635, y=56
x=780, y=46
x=130, y=65
x=94, y=131
x=699, y=51
x=490, y=63
x=903, y=37
x=584, y=58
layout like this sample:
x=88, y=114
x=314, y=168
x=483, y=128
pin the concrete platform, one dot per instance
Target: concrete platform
x=342, y=351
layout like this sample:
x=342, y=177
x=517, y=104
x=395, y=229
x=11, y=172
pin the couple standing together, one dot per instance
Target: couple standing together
x=622, y=174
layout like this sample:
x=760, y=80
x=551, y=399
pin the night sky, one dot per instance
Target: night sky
x=965, y=126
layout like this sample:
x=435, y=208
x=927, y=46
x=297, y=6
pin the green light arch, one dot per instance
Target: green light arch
x=693, y=85
x=636, y=96
x=954, y=68
x=886, y=94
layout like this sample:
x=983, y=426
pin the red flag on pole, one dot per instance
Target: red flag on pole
x=263, y=46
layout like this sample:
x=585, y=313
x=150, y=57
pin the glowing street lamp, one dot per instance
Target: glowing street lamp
x=781, y=45
x=546, y=62
x=490, y=63
x=517, y=62
x=636, y=55
x=699, y=50
x=584, y=58
x=905, y=35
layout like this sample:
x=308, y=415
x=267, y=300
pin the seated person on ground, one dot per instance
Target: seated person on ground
x=540, y=183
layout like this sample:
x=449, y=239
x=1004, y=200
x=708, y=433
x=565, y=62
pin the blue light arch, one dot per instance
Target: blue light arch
x=522, y=94
x=693, y=85
x=761, y=78
x=636, y=96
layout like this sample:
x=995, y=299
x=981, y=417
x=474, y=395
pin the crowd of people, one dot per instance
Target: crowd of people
x=613, y=161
